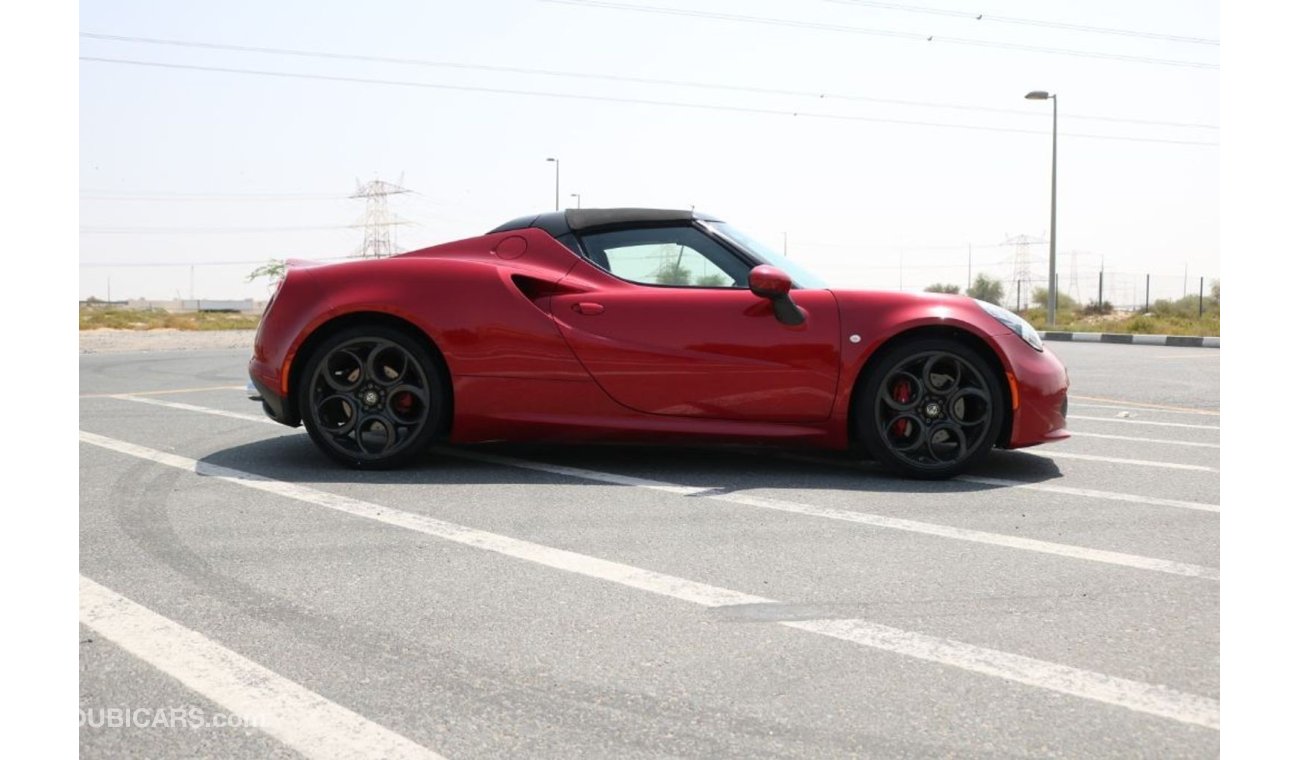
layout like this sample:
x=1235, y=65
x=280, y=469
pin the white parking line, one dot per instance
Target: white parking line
x=1214, y=356
x=1054, y=454
x=1142, y=697
x=302, y=719
x=862, y=518
x=167, y=391
x=193, y=408
x=1089, y=493
x=1120, y=403
x=1077, y=434
x=1139, y=408
x=1132, y=695
x=1126, y=421
x=264, y=419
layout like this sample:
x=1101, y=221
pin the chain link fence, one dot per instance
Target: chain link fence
x=960, y=268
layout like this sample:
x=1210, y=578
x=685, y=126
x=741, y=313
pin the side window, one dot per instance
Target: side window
x=673, y=256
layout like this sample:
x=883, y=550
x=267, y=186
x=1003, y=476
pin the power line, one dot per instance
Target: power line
x=1029, y=22
x=616, y=78
x=147, y=264
x=911, y=247
x=914, y=36
x=208, y=197
x=636, y=101
x=218, y=230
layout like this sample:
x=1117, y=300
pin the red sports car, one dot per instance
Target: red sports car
x=649, y=325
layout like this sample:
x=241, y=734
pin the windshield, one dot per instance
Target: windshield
x=803, y=278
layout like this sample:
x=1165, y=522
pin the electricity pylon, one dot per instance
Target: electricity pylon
x=378, y=221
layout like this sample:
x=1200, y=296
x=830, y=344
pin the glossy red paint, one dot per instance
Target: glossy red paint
x=767, y=281
x=541, y=344
x=1043, y=384
x=714, y=353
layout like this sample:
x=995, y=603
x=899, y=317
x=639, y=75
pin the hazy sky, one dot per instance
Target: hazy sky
x=213, y=153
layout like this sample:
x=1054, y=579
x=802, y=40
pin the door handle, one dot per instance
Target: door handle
x=589, y=308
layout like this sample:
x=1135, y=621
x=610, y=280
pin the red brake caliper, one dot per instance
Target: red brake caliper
x=902, y=393
x=403, y=402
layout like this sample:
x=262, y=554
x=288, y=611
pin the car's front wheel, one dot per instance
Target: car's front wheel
x=929, y=408
x=371, y=397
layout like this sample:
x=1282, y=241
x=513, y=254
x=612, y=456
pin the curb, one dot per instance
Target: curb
x=1143, y=340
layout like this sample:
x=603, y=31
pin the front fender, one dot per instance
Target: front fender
x=870, y=320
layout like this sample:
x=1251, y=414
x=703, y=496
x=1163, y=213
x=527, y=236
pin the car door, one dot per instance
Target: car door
x=663, y=320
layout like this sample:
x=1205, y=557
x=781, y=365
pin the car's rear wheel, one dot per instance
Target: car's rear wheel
x=930, y=408
x=371, y=397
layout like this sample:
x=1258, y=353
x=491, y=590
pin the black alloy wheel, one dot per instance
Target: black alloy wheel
x=371, y=398
x=930, y=409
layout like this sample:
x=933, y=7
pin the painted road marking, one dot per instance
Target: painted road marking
x=1132, y=695
x=1130, y=421
x=862, y=518
x=1143, y=405
x=1141, y=697
x=1077, y=434
x=1126, y=421
x=1136, y=408
x=1088, y=493
x=267, y=420
x=560, y=559
x=1118, y=460
x=293, y=714
x=165, y=392
x=193, y=408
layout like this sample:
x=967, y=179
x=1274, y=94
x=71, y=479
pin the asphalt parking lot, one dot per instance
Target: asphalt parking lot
x=531, y=601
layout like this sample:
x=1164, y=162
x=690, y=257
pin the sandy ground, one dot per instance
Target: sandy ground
x=104, y=341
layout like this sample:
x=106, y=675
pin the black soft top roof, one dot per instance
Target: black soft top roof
x=576, y=220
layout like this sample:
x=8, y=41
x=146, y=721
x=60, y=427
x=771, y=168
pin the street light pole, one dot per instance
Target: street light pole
x=578, y=196
x=557, y=182
x=1051, y=254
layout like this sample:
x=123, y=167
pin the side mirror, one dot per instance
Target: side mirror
x=766, y=281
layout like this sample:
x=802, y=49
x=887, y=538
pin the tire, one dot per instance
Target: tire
x=372, y=398
x=929, y=408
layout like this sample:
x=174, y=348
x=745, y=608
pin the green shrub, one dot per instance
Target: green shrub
x=1064, y=303
x=673, y=274
x=986, y=288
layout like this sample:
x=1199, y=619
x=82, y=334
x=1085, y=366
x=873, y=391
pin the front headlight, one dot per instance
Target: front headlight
x=1014, y=322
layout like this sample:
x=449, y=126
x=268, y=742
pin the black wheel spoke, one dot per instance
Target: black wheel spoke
x=946, y=443
x=942, y=374
x=902, y=391
x=337, y=414
x=934, y=409
x=904, y=432
x=375, y=435
x=407, y=405
x=387, y=364
x=371, y=397
x=969, y=406
x=344, y=370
